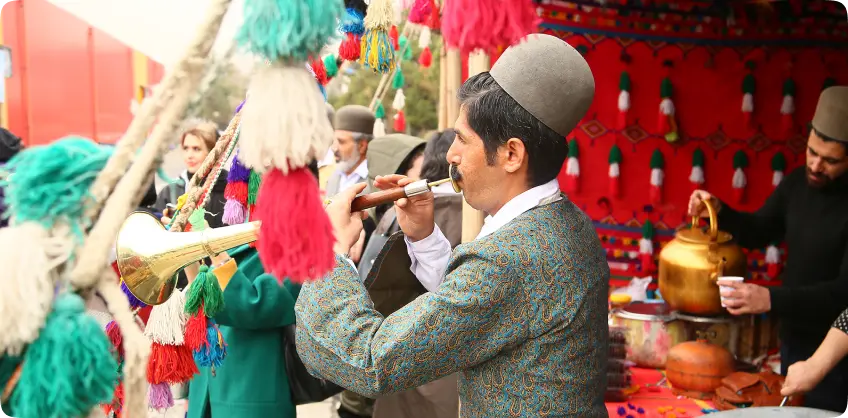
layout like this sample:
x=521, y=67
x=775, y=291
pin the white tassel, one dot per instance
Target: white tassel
x=696, y=176
x=646, y=246
x=657, y=176
x=788, y=105
x=776, y=177
x=284, y=123
x=739, y=180
x=424, y=38
x=572, y=167
x=399, y=101
x=614, y=170
x=28, y=283
x=380, y=14
x=624, y=101
x=167, y=321
x=379, y=128
x=748, y=103
x=772, y=255
x=667, y=107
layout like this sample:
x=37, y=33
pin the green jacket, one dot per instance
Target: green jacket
x=251, y=382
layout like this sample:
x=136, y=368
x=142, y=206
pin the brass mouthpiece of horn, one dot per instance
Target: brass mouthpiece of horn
x=149, y=257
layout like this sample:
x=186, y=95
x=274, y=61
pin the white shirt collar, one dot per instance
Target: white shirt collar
x=518, y=205
x=358, y=175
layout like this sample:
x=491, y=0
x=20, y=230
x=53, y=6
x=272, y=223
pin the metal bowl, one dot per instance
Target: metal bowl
x=775, y=412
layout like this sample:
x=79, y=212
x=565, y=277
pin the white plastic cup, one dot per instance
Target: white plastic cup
x=728, y=288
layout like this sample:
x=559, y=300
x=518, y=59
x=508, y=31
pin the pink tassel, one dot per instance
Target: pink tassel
x=160, y=396
x=420, y=11
x=487, y=24
x=234, y=212
x=296, y=238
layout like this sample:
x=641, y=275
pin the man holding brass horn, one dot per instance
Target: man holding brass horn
x=809, y=210
x=521, y=311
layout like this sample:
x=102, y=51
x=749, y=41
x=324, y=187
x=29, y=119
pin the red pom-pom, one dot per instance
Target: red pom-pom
x=434, y=22
x=296, y=237
x=350, y=48
x=395, y=37
x=114, y=334
x=426, y=58
x=320, y=71
x=236, y=191
x=572, y=184
x=420, y=11
x=195, y=333
x=400, y=122
x=170, y=364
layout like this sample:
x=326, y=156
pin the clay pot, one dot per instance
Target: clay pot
x=697, y=367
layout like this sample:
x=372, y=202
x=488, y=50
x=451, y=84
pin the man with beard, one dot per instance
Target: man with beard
x=809, y=211
x=521, y=311
x=354, y=127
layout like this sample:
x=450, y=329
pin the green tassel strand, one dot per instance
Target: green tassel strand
x=253, y=184
x=749, y=84
x=789, y=87
x=49, y=184
x=740, y=159
x=624, y=81
x=194, y=294
x=398, y=80
x=204, y=291
x=829, y=82
x=380, y=113
x=377, y=53
x=295, y=29
x=615, y=154
x=573, y=151
x=666, y=89
x=69, y=369
x=698, y=158
x=407, y=54
x=403, y=45
x=648, y=230
x=657, y=160
x=197, y=219
x=331, y=65
x=778, y=162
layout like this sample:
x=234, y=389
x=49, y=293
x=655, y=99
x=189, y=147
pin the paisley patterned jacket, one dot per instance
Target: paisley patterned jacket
x=521, y=313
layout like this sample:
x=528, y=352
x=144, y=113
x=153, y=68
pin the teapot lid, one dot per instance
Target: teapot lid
x=699, y=236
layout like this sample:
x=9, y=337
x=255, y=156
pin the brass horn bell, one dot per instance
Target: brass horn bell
x=149, y=257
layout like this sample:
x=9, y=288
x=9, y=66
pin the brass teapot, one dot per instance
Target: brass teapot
x=691, y=263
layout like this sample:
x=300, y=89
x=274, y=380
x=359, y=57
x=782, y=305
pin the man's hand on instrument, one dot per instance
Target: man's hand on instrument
x=802, y=377
x=745, y=298
x=696, y=203
x=346, y=225
x=414, y=214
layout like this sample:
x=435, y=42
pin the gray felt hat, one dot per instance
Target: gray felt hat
x=355, y=118
x=831, y=118
x=549, y=79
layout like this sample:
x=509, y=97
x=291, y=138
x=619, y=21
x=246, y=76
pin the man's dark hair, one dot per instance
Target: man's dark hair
x=436, y=164
x=496, y=117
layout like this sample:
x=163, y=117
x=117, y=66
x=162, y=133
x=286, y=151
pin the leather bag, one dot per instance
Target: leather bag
x=748, y=390
x=305, y=388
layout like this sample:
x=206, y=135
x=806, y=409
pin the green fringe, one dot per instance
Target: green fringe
x=398, y=80
x=657, y=160
x=331, y=65
x=749, y=84
x=778, y=162
x=380, y=113
x=253, y=184
x=624, y=81
x=789, y=87
x=740, y=159
x=648, y=229
x=573, y=151
x=204, y=291
x=615, y=154
x=697, y=158
x=666, y=89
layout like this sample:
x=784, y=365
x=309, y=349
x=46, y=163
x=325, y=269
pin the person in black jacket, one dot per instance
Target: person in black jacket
x=196, y=144
x=10, y=145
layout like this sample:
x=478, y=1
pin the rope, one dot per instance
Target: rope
x=178, y=225
x=219, y=168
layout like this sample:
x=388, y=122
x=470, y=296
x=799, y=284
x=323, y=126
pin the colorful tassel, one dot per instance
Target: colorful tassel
x=657, y=177
x=160, y=397
x=170, y=364
x=425, y=60
x=749, y=86
x=400, y=122
x=167, y=321
x=778, y=168
x=135, y=303
x=235, y=213
x=398, y=80
x=615, y=171
x=572, y=168
x=331, y=64
x=773, y=265
x=623, y=99
x=646, y=248
x=787, y=108
x=434, y=22
x=351, y=47
x=395, y=37
x=214, y=350
x=297, y=245
x=195, y=333
x=204, y=291
x=740, y=162
x=69, y=369
x=379, y=128
x=378, y=50
x=486, y=24
x=288, y=29
x=353, y=20
x=319, y=71
x=696, y=176
x=113, y=332
x=400, y=100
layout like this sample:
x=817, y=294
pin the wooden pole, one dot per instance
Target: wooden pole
x=443, y=88
x=472, y=219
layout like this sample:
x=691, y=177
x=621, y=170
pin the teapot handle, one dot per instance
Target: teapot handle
x=713, y=220
x=719, y=271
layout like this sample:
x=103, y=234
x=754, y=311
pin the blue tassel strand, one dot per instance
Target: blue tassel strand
x=213, y=352
x=378, y=53
x=353, y=22
x=289, y=29
x=134, y=301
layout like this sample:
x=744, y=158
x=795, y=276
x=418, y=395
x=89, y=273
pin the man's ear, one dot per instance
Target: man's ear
x=514, y=155
x=363, y=146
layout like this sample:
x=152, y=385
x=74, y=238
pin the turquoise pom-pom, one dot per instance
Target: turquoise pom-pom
x=49, y=184
x=289, y=29
x=69, y=369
